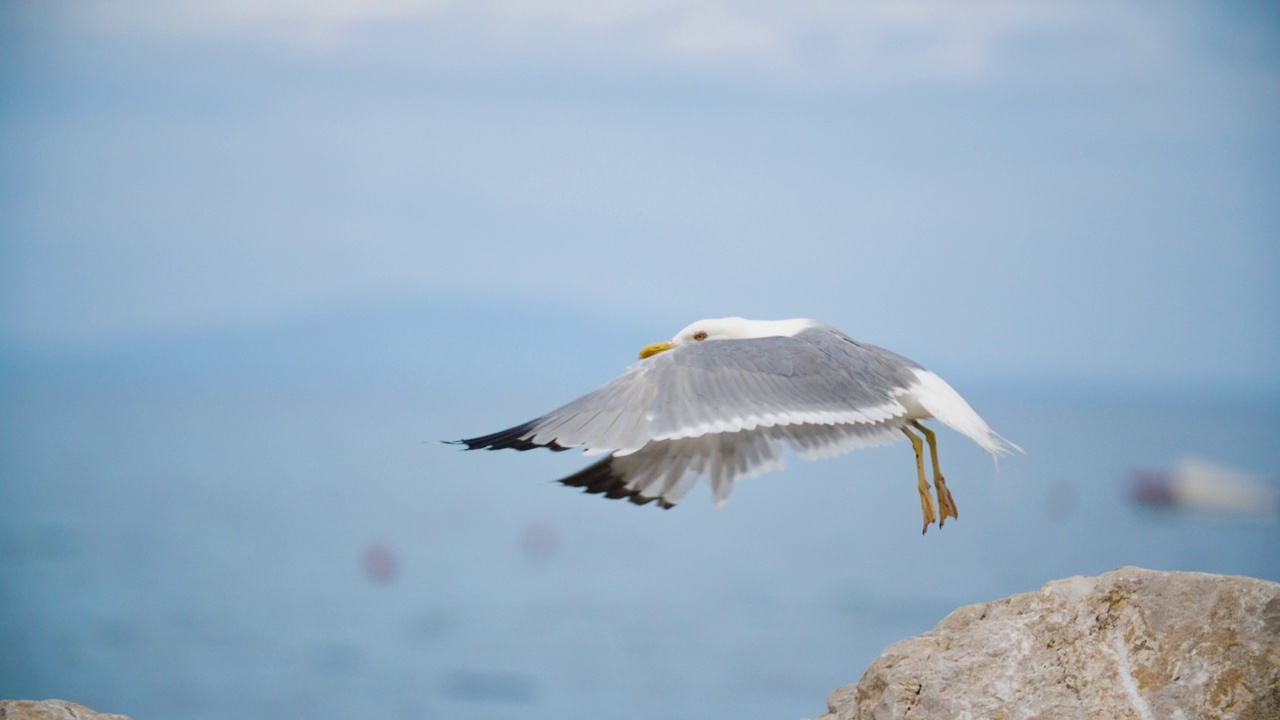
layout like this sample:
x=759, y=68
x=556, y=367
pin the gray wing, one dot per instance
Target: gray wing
x=723, y=409
x=818, y=377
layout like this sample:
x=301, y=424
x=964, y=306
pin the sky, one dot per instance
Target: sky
x=1063, y=190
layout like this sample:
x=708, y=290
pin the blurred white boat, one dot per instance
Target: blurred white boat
x=1198, y=484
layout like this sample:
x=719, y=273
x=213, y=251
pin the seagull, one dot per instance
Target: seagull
x=724, y=397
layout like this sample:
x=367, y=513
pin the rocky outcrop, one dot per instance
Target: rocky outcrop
x=50, y=710
x=1130, y=644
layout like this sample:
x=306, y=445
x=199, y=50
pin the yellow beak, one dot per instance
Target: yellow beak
x=656, y=348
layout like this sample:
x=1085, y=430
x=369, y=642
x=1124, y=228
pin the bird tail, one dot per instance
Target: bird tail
x=942, y=402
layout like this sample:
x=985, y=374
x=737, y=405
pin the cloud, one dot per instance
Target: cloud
x=795, y=43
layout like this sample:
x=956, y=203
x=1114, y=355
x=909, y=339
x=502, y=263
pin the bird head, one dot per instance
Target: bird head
x=730, y=328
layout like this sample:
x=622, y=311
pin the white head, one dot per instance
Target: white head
x=731, y=328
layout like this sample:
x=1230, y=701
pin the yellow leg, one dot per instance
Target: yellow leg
x=946, y=505
x=926, y=502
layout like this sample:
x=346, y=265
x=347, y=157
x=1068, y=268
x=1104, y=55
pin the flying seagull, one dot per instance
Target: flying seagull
x=724, y=396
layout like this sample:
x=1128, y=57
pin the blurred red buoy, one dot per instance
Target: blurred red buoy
x=379, y=563
x=540, y=541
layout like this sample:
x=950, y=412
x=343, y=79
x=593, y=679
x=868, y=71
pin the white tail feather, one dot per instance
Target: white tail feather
x=933, y=395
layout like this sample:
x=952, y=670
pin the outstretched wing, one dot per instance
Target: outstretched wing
x=818, y=377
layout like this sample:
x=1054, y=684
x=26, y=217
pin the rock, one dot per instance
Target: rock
x=50, y=710
x=1131, y=643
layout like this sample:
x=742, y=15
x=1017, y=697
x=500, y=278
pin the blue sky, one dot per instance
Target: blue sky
x=1035, y=190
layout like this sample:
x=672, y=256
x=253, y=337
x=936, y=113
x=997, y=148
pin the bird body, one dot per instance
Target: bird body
x=724, y=397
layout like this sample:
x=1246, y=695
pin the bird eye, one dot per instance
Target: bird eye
x=700, y=335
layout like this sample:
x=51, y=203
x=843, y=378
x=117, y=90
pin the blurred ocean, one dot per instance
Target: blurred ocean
x=174, y=548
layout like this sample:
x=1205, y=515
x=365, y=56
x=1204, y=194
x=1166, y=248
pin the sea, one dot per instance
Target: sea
x=176, y=549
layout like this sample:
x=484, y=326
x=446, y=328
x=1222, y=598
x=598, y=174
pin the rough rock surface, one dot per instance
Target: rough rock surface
x=1132, y=643
x=50, y=710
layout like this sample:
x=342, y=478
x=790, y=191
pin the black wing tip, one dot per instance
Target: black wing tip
x=509, y=439
x=600, y=479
